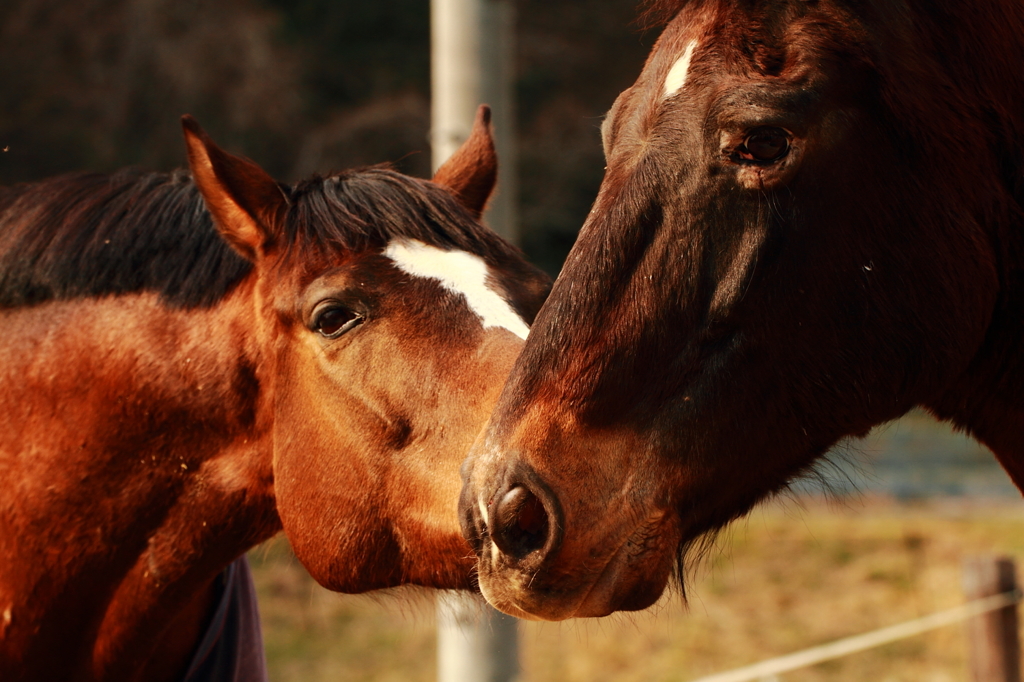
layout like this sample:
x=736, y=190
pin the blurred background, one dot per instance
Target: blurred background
x=302, y=86
x=305, y=86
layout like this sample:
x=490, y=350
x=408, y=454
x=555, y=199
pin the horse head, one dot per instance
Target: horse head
x=381, y=316
x=810, y=222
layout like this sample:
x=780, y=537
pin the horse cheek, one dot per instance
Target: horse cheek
x=327, y=497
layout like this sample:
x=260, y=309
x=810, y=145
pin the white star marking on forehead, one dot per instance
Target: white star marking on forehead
x=677, y=74
x=462, y=273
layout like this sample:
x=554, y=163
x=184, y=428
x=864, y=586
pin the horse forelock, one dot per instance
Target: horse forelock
x=659, y=12
x=368, y=208
x=776, y=39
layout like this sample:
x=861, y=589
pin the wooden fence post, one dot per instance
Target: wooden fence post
x=992, y=637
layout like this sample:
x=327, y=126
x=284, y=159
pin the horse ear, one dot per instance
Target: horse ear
x=472, y=171
x=245, y=202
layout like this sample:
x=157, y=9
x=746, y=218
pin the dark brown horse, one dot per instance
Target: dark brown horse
x=811, y=221
x=176, y=389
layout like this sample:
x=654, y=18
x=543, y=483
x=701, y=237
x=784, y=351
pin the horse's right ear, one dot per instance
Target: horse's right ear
x=246, y=203
x=472, y=171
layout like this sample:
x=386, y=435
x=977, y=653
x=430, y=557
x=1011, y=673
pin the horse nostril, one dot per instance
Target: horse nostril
x=520, y=523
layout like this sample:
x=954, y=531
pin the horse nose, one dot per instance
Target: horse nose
x=520, y=516
x=525, y=521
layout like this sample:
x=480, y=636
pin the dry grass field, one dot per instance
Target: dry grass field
x=794, y=574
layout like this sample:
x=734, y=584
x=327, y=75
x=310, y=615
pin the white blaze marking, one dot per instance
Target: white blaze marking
x=677, y=74
x=462, y=273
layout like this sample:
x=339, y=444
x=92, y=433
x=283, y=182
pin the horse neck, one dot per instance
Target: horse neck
x=146, y=430
x=973, y=47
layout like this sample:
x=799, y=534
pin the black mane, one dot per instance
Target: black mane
x=92, y=235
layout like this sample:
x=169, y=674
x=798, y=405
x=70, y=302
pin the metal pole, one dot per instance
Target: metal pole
x=475, y=643
x=472, y=63
x=992, y=637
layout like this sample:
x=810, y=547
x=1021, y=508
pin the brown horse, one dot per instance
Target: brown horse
x=176, y=389
x=812, y=220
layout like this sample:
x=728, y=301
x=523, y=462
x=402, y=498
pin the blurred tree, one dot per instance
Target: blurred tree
x=574, y=60
x=355, y=51
x=101, y=84
x=301, y=86
x=365, y=81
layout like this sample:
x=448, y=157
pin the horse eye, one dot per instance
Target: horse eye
x=764, y=144
x=334, y=320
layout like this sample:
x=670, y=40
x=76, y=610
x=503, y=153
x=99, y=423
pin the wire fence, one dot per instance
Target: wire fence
x=848, y=645
x=479, y=645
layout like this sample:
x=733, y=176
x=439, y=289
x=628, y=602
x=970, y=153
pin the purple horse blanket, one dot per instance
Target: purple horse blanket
x=231, y=649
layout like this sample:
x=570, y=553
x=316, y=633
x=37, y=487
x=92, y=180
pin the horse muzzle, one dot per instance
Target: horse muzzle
x=537, y=563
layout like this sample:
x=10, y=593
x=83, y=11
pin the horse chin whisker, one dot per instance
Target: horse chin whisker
x=691, y=557
x=839, y=473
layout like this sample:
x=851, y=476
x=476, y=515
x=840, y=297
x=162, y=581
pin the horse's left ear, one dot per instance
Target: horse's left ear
x=246, y=203
x=472, y=171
